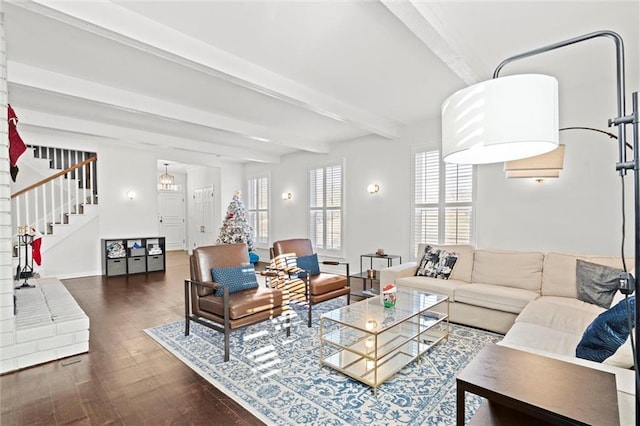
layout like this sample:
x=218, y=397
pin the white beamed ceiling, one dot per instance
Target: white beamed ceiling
x=252, y=81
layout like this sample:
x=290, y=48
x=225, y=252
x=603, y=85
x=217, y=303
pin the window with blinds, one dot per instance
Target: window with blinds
x=443, y=201
x=258, y=209
x=325, y=209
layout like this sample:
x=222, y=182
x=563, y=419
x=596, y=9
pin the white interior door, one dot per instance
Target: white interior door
x=171, y=217
x=205, y=229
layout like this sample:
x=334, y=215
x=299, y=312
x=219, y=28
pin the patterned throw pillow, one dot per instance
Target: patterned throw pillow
x=235, y=278
x=436, y=263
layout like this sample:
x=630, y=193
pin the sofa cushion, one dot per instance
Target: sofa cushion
x=541, y=338
x=623, y=356
x=464, y=263
x=507, y=299
x=508, y=268
x=607, y=332
x=244, y=303
x=235, y=278
x=596, y=283
x=560, y=313
x=572, y=302
x=436, y=263
x=326, y=282
x=559, y=272
x=431, y=285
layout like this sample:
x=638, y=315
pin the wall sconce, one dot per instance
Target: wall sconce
x=541, y=166
x=131, y=195
x=287, y=195
x=373, y=188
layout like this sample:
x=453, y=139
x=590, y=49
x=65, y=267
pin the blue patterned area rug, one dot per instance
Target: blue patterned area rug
x=279, y=379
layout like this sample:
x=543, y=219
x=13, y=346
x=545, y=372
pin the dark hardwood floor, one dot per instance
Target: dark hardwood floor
x=126, y=378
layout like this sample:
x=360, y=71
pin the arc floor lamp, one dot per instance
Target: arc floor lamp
x=513, y=117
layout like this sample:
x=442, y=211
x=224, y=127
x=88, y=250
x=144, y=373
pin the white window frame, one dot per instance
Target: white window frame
x=441, y=203
x=253, y=208
x=327, y=252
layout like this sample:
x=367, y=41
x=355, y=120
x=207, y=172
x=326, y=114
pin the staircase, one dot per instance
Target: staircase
x=55, y=193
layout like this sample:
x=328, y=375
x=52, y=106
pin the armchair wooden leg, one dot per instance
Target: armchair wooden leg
x=288, y=325
x=186, y=307
x=227, y=322
x=307, y=291
x=226, y=344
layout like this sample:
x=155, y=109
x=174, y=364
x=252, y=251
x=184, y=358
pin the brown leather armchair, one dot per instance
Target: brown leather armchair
x=232, y=310
x=318, y=287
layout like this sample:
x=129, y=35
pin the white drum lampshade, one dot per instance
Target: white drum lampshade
x=502, y=119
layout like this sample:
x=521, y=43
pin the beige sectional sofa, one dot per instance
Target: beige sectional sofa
x=531, y=297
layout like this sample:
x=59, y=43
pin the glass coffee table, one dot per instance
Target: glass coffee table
x=371, y=343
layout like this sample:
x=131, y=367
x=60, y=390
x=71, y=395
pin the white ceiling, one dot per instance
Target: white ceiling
x=252, y=81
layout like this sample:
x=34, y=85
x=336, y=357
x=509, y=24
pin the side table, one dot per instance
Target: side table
x=528, y=389
x=388, y=257
x=368, y=282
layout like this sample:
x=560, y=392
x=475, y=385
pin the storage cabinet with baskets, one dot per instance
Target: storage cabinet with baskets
x=124, y=256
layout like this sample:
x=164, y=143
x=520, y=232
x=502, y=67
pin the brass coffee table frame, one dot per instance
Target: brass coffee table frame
x=370, y=343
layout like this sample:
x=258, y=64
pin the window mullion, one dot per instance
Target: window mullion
x=324, y=209
x=442, y=196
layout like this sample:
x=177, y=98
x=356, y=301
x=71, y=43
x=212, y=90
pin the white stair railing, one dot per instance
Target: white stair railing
x=51, y=200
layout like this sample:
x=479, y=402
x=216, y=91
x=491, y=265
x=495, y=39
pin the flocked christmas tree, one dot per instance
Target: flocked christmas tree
x=236, y=228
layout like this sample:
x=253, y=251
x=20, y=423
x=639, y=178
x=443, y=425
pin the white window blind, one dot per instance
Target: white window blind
x=258, y=209
x=325, y=209
x=443, y=200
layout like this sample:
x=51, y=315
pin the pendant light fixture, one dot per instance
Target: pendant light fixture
x=167, y=181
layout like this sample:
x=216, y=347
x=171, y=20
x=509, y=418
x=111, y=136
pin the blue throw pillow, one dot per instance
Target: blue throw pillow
x=308, y=263
x=253, y=257
x=235, y=278
x=607, y=332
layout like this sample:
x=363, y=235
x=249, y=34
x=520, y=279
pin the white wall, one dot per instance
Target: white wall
x=77, y=256
x=579, y=212
x=119, y=171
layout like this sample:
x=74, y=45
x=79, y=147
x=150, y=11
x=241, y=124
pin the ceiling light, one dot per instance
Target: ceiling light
x=167, y=181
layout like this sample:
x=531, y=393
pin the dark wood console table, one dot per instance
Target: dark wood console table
x=527, y=389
